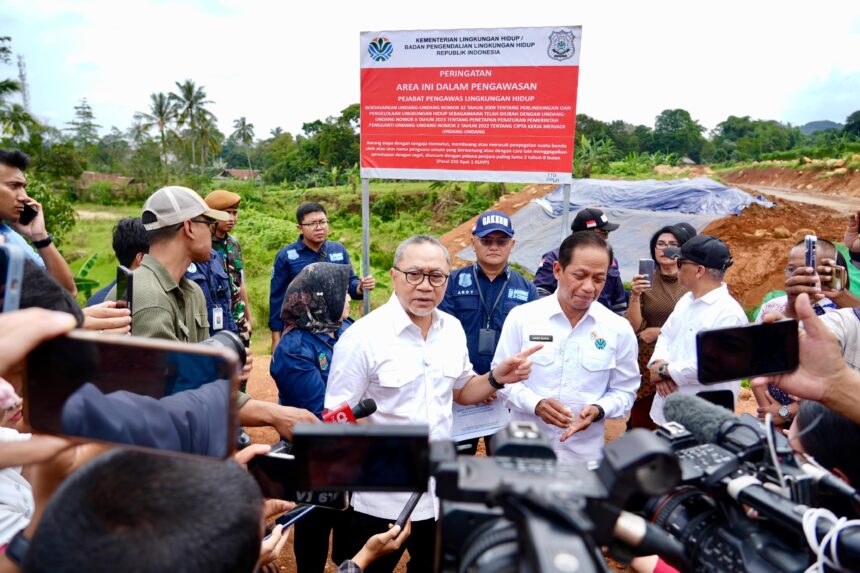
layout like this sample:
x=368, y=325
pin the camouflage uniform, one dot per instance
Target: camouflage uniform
x=231, y=252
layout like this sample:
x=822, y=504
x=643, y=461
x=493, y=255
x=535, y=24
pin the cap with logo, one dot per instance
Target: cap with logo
x=590, y=219
x=221, y=199
x=491, y=221
x=704, y=250
x=172, y=205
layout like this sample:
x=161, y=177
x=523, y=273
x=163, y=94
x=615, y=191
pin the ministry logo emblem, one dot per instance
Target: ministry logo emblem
x=560, y=45
x=380, y=49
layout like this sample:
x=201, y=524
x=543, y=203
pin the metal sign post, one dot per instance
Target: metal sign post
x=565, y=215
x=365, y=238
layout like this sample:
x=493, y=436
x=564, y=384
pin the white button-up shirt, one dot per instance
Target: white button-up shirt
x=594, y=362
x=383, y=356
x=676, y=344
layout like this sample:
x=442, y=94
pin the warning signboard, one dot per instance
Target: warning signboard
x=470, y=105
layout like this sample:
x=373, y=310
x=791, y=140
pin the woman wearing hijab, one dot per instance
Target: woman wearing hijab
x=314, y=312
x=649, y=307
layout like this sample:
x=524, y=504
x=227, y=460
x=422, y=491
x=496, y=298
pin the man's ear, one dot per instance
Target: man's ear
x=556, y=269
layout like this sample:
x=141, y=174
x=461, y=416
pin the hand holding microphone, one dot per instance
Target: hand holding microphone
x=343, y=414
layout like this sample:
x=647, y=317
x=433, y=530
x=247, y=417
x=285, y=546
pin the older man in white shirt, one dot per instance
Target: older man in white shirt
x=587, y=368
x=702, y=263
x=412, y=359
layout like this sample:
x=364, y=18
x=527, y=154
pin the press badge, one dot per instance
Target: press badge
x=487, y=341
x=217, y=318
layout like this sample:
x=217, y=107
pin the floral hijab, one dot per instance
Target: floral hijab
x=315, y=298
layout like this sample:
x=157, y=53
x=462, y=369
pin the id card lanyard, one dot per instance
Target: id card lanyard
x=481, y=295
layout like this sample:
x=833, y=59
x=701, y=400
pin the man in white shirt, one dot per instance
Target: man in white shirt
x=587, y=368
x=412, y=359
x=702, y=263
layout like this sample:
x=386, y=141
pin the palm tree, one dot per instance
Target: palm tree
x=161, y=113
x=16, y=121
x=208, y=136
x=245, y=134
x=189, y=105
x=276, y=132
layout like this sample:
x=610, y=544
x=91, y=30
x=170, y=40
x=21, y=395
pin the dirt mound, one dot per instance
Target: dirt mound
x=832, y=181
x=458, y=238
x=760, y=239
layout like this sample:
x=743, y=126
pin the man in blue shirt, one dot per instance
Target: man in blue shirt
x=311, y=247
x=130, y=243
x=481, y=295
x=212, y=279
x=613, y=295
x=14, y=202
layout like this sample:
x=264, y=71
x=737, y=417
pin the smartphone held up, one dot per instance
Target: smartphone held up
x=735, y=353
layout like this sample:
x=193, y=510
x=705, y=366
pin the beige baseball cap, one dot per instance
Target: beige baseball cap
x=172, y=205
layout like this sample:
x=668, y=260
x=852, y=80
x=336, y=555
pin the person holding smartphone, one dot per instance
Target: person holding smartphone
x=650, y=304
x=22, y=220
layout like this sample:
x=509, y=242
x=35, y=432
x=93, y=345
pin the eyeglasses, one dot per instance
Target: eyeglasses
x=680, y=262
x=498, y=241
x=204, y=221
x=316, y=224
x=436, y=279
x=663, y=244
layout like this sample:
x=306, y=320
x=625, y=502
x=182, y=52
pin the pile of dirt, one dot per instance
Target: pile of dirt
x=760, y=239
x=830, y=180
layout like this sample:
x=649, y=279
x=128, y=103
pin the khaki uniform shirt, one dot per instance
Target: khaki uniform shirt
x=163, y=309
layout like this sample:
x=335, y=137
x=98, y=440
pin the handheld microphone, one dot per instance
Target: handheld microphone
x=343, y=414
x=712, y=424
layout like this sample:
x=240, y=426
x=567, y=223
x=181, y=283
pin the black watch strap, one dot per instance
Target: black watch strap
x=492, y=380
x=17, y=548
x=601, y=413
x=44, y=242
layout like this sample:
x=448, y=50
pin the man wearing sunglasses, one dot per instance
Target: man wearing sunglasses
x=481, y=296
x=702, y=263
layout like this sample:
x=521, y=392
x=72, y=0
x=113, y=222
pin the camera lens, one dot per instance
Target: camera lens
x=231, y=341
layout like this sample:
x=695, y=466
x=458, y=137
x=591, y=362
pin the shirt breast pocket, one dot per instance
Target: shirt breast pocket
x=543, y=357
x=466, y=303
x=397, y=386
x=598, y=364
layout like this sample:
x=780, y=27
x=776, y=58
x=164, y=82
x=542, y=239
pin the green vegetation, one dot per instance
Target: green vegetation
x=267, y=223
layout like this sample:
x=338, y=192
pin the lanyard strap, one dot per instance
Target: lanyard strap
x=481, y=295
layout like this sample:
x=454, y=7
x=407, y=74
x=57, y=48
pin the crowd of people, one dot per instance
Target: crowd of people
x=450, y=347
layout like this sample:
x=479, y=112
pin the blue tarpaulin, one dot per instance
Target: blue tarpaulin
x=640, y=207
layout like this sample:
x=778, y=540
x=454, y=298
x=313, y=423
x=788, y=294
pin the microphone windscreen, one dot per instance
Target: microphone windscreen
x=364, y=408
x=700, y=417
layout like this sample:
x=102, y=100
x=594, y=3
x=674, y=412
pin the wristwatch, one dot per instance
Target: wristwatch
x=663, y=371
x=784, y=412
x=44, y=242
x=492, y=380
x=600, y=412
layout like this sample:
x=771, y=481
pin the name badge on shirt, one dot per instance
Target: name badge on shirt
x=540, y=337
x=217, y=318
x=335, y=257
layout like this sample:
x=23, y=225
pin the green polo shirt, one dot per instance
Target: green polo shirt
x=163, y=309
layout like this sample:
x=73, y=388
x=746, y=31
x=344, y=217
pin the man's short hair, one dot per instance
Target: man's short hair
x=419, y=240
x=41, y=290
x=581, y=239
x=14, y=158
x=133, y=511
x=831, y=438
x=129, y=239
x=306, y=209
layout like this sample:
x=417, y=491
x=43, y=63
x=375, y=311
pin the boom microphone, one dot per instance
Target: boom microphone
x=712, y=424
x=343, y=414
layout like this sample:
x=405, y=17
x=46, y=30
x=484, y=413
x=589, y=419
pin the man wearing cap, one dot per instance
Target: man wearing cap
x=231, y=254
x=480, y=296
x=165, y=303
x=702, y=263
x=612, y=296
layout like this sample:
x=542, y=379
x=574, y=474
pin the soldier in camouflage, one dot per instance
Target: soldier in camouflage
x=231, y=252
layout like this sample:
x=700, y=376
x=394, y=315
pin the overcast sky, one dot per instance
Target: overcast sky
x=285, y=63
